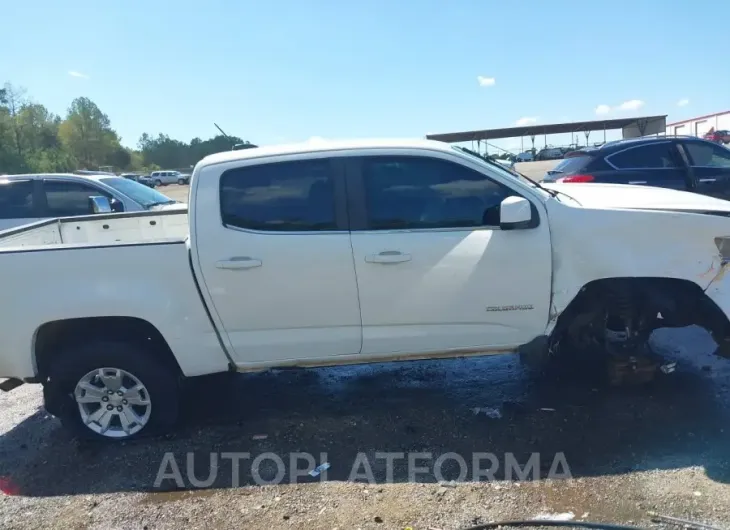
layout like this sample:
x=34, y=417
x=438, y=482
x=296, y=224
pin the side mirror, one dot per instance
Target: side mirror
x=515, y=213
x=100, y=204
x=117, y=205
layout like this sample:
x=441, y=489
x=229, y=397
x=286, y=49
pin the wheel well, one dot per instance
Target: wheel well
x=52, y=337
x=680, y=303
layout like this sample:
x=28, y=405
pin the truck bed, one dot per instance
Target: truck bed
x=104, y=266
x=96, y=230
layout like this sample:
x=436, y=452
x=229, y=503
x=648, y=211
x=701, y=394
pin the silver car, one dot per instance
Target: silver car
x=169, y=177
x=26, y=199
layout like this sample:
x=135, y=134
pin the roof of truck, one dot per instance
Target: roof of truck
x=21, y=176
x=318, y=145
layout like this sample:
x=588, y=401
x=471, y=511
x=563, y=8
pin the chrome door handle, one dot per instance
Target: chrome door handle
x=708, y=180
x=388, y=256
x=637, y=182
x=238, y=263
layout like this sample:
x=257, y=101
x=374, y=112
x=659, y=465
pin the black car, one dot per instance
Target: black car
x=142, y=179
x=682, y=163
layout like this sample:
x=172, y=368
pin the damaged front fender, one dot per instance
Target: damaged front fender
x=718, y=291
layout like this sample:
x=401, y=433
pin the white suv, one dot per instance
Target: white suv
x=169, y=177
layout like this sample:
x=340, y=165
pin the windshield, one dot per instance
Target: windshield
x=139, y=193
x=499, y=168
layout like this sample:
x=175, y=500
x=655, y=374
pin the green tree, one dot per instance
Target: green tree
x=166, y=152
x=14, y=100
x=33, y=139
x=38, y=127
x=87, y=134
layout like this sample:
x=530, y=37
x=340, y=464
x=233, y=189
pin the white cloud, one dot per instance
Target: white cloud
x=486, y=81
x=527, y=120
x=632, y=104
x=74, y=73
x=683, y=102
x=603, y=109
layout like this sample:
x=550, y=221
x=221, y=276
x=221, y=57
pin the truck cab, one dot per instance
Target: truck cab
x=348, y=252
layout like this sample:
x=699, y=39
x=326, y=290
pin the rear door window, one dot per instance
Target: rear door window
x=574, y=163
x=650, y=156
x=66, y=199
x=704, y=154
x=16, y=199
x=280, y=197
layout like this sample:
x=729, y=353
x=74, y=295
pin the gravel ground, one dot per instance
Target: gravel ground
x=660, y=447
x=174, y=191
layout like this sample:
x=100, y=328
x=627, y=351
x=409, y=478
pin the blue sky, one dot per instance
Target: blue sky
x=289, y=70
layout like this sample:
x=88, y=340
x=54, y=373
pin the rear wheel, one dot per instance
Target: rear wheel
x=112, y=391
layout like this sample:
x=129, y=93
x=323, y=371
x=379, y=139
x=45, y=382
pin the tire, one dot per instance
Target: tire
x=181, y=182
x=77, y=364
x=158, y=183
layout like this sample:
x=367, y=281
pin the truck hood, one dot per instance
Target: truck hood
x=622, y=196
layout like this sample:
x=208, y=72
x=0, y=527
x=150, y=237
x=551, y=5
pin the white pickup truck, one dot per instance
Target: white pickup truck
x=333, y=253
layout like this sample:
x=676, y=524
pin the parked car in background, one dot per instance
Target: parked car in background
x=719, y=137
x=29, y=198
x=142, y=179
x=681, y=163
x=509, y=164
x=147, y=181
x=244, y=145
x=169, y=177
x=525, y=156
x=550, y=153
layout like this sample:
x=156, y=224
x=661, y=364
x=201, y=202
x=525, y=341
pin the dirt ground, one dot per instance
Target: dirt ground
x=175, y=191
x=662, y=447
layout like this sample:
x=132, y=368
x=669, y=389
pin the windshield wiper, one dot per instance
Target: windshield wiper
x=534, y=183
x=160, y=203
x=511, y=170
x=538, y=185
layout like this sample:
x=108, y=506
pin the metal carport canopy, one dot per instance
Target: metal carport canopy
x=643, y=125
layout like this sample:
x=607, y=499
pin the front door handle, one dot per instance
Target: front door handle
x=388, y=256
x=637, y=182
x=238, y=263
x=708, y=180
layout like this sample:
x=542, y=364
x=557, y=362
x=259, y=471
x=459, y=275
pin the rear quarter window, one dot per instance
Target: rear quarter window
x=574, y=163
x=16, y=199
x=648, y=156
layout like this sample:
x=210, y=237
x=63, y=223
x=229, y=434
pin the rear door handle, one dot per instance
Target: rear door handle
x=708, y=180
x=238, y=263
x=637, y=182
x=388, y=256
